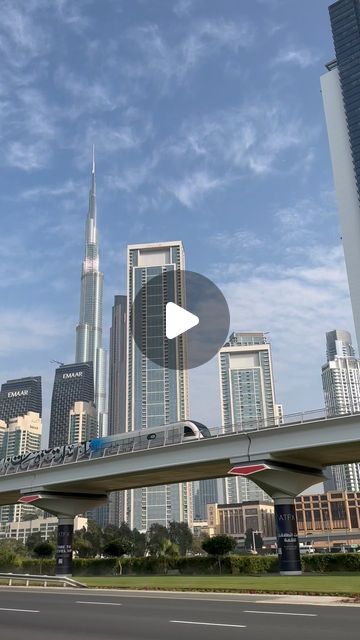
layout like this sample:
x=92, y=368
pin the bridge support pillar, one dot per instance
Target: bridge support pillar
x=65, y=506
x=64, y=548
x=283, y=482
x=287, y=536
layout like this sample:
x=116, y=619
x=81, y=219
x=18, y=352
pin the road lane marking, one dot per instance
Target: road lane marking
x=20, y=610
x=209, y=624
x=111, y=604
x=284, y=613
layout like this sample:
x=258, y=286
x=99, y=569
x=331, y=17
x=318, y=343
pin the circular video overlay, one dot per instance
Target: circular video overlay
x=179, y=319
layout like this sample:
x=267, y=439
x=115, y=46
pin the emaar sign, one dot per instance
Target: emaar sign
x=74, y=374
x=18, y=394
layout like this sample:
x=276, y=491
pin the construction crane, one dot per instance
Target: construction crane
x=57, y=362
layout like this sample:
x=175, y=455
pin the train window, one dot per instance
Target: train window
x=188, y=432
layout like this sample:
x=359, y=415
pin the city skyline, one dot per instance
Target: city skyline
x=250, y=194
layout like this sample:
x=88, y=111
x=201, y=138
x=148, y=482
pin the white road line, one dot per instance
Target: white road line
x=284, y=613
x=20, y=610
x=209, y=624
x=111, y=604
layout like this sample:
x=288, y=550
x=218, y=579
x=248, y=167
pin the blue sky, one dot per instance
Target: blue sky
x=208, y=124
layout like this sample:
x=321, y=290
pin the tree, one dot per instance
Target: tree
x=10, y=552
x=118, y=548
x=156, y=534
x=110, y=532
x=33, y=539
x=167, y=551
x=43, y=550
x=219, y=546
x=180, y=534
x=139, y=543
x=82, y=546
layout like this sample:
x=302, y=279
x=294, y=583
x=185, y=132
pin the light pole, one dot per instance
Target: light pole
x=253, y=540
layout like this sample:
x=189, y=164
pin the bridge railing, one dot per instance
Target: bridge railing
x=176, y=436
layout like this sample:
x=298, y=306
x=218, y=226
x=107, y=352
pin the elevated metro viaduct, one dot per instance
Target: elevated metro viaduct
x=282, y=460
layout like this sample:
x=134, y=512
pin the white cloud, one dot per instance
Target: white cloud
x=193, y=187
x=173, y=62
x=26, y=156
x=236, y=240
x=24, y=329
x=303, y=58
x=250, y=139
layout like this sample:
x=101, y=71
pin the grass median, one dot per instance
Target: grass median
x=324, y=584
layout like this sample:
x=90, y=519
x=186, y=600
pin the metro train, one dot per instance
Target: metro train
x=119, y=443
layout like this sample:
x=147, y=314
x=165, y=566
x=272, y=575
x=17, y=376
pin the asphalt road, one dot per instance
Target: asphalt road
x=100, y=615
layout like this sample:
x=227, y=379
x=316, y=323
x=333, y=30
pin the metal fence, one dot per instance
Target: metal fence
x=136, y=442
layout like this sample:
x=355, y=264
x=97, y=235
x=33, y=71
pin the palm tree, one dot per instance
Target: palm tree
x=167, y=551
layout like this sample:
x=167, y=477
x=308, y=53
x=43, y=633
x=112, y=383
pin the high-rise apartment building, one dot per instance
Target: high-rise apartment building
x=21, y=435
x=73, y=383
x=205, y=492
x=247, y=396
x=340, y=88
x=89, y=330
x=157, y=391
x=117, y=367
x=341, y=384
x=18, y=397
x=117, y=396
x=83, y=423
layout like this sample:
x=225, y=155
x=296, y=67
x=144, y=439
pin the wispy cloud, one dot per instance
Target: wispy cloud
x=174, y=62
x=236, y=240
x=193, y=187
x=301, y=57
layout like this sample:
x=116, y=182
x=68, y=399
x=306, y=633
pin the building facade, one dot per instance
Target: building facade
x=340, y=88
x=204, y=492
x=341, y=384
x=324, y=520
x=18, y=397
x=157, y=391
x=235, y=519
x=247, y=398
x=116, y=513
x=83, y=424
x=89, y=330
x=21, y=435
x=73, y=383
x=45, y=526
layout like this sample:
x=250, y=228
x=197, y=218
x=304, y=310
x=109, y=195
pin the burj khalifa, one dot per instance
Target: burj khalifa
x=89, y=330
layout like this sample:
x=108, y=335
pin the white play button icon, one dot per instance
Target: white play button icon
x=178, y=320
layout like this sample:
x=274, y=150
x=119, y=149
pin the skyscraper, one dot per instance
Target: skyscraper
x=247, y=396
x=82, y=422
x=341, y=384
x=73, y=383
x=117, y=396
x=20, y=427
x=340, y=88
x=22, y=434
x=89, y=330
x=117, y=367
x=18, y=397
x=157, y=394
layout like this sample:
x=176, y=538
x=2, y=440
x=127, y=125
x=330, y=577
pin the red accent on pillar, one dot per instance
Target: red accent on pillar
x=28, y=499
x=248, y=470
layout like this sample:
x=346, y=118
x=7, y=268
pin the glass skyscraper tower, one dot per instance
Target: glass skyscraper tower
x=247, y=397
x=89, y=330
x=341, y=384
x=157, y=393
x=340, y=88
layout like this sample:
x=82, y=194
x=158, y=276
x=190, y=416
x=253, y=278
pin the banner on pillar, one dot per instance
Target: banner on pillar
x=287, y=538
x=64, y=549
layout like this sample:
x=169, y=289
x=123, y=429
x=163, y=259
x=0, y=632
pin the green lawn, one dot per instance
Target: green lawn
x=311, y=584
